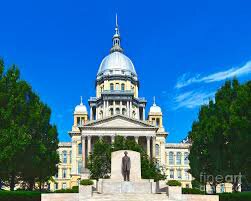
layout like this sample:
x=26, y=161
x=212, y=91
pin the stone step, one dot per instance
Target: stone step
x=128, y=197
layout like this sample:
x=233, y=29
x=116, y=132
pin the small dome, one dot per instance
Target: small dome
x=116, y=63
x=81, y=108
x=155, y=109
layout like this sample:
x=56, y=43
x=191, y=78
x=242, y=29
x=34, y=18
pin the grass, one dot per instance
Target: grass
x=20, y=196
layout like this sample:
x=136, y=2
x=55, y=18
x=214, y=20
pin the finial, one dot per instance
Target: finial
x=116, y=38
x=81, y=100
x=154, y=101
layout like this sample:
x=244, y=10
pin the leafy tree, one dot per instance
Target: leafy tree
x=27, y=139
x=221, y=135
x=100, y=160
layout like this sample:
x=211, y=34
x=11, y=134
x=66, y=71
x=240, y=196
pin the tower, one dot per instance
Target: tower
x=80, y=115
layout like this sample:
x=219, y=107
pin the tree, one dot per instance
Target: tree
x=27, y=139
x=221, y=135
x=100, y=159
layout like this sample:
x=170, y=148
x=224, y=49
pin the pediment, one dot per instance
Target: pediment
x=119, y=121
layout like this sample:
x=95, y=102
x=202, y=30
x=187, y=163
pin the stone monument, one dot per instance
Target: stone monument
x=126, y=166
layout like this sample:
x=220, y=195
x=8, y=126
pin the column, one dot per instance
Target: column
x=91, y=113
x=74, y=157
x=144, y=117
x=83, y=153
x=120, y=107
x=137, y=139
x=104, y=109
x=130, y=108
x=114, y=112
x=153, y=147
x=89, y=145
x=127, y=109
x=148, y=146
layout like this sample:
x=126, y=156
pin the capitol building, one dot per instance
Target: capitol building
x=117, y=110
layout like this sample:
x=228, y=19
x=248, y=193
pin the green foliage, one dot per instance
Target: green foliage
x=173, y=183
x=86, y=182
x=192, y=191
x=196, y=184
x=27, y=139
x=20, y=196
x=68, y=190
x=243, y=196
x=100, y=160
x=75, y=188
x=221, y=134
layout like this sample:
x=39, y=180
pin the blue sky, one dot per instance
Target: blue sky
x=182, y=51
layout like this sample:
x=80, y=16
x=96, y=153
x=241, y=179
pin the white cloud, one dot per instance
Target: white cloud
x=184, y=80
x=192, y=99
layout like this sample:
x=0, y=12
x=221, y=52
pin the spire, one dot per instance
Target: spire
x=154, y=101
x=81, y=100
x=116, y=39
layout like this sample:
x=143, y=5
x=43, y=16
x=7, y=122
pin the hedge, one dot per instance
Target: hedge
x=192, y=191
x=86, y=182
x=173, y=183
x=20, y=196
x=68, y=190
x=243, y=196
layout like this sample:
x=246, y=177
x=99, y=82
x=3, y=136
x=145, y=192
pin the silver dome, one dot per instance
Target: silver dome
x=116, y=63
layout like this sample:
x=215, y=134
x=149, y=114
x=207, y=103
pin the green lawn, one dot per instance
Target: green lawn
x=243, y=196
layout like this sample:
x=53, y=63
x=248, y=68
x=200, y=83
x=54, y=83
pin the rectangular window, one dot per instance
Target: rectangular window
x=79, y=148
x=186, y=175
x=56, y=186
x=64, y=173
x=171, y=174
x=186, y=161
x=179, y=174
x=79, y=166
x=117, y=86
x=64, y=186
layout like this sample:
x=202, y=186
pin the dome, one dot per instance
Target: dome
x=116, y=63
x=81, y=108
x=155, y=109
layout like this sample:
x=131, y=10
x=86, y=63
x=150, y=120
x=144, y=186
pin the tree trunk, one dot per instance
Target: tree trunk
x=31, y=184
x=12, y=182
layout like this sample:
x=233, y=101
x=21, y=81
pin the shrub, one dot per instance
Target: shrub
x=75, y=188
x=242, y=196
x=20, y=196
x=192, y=191
x=68, y=190
x=86, y=182
x=173, y=183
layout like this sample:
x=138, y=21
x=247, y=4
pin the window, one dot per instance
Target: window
x=117, y=110
x=123, y=87
x=124, y=103
x=56, y=186
x=64, y=156
x=101, y=114
x=64, y=186
x=187, y=186
x=222, y=188
x=111, y=112
x=78, y=121
x=111, y=86
x=171, y=158
x=133, y=114
x=179, y=174
x=186, y=174
x=171, y=174
x=124, y=111
x=56, y=175
x=117, y=86
x=49, y=187
x=64, y=173
x=178, y=158
x=186, y=161
x=110, y=103
x=70, y=156
x=79, y=166
x=157, y=121
x=80, y=148
x=157, y=150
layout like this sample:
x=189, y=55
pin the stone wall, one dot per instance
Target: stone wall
x=190, y=197
x=60, y=197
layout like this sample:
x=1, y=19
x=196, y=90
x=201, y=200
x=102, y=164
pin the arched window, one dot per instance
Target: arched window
x=117, y=86
x=117, y=111
x=171, y=158
x=133, y=114
x=80, y=148
x=179, y=174
x=64, y=173
x=111, y=86
x=186, y=161
x=157, y=150
x=178, y=158
x=64, y=156
x=111, y=112
x=123, y=111
x=123, y=87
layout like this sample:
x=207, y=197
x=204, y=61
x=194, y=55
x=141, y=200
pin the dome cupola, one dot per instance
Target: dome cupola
x=81, y=108
x=154, y=108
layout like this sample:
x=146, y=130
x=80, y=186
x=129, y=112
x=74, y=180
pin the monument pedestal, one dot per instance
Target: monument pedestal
x=113, y=187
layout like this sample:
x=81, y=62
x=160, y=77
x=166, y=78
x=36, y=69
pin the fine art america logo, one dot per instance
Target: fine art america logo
x=220, y=179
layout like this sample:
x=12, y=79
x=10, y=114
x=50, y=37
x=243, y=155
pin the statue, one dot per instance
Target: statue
x=126, y=166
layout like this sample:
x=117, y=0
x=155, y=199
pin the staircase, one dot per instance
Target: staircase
x=128, y=197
